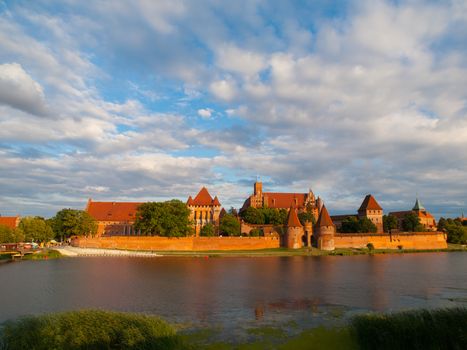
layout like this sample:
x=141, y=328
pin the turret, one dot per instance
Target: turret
x=295, y=232
x=325, y=230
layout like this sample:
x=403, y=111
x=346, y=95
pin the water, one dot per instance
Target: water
x=236, y=292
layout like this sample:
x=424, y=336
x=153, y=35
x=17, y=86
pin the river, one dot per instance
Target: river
x=236, y=292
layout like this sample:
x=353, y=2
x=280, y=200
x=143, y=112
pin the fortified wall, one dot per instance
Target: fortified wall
x=181, y=244
x=413, y=240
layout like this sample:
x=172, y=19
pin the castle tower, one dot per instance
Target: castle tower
x=204, y=210
x=372, y=210
x=325, y=231
x=295, y=232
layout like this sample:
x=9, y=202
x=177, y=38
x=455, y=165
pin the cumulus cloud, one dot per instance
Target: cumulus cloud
x=19, y=90
x=205, y=113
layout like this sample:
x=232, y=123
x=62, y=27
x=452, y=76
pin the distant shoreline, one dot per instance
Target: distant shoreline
x=276, y=252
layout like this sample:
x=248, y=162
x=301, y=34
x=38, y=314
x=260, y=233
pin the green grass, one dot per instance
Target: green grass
x=419, y=329
x=89, y=329
x=43, y=255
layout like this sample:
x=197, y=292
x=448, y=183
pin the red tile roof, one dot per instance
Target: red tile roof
x=284, y=200
x=113, y=211
x=203, y=198
x=292, y=219
x=370, y=203
x=189, y=201
x=324, y=218
x=9, y=221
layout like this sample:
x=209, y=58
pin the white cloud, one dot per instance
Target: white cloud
x=224, y=89
x=205, y=113
x=19, y=90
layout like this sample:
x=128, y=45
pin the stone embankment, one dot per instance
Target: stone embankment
x=75, y=251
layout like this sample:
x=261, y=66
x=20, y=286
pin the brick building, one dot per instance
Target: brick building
x=204, y=210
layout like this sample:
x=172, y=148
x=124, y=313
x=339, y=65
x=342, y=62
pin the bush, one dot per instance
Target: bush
x=207, y=230
x=370, y=246
x=256, y=232
x=90, y=329
x=420, y=329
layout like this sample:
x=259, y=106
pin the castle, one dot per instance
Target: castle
x=117, y=219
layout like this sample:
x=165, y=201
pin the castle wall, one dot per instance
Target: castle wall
x=416, y=240
x=180, y=244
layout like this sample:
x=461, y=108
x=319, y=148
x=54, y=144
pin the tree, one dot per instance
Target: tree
x=411, y=223
x=390, y=222
x=167, y=219
x=252, y=216
x=72, y=222
x=10, y=235
x=353, y=224
x=455, y=230
x=207, y=230
x=305, y=216
x=256, y=232
x=36, y=229
x=229, y=225
x=350, y=224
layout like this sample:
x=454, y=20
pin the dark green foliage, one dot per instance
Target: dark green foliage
x=390, y=222
x=9, y=235
x=72, y=222
x=207, y=230
x=370, y=246
x=36, y=229
x=167, y=219
x=353, y=224
x=423, y=329
x=90, y=329
x=252, y=216
x=256, y=233
x=268, y=216
x=411, y=223
x=229, y=225
x=456, y=231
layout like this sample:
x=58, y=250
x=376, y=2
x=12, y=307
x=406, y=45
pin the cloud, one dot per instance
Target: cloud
x=205, y=113
x=19, y=90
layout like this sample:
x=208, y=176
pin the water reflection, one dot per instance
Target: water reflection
x=232, y=291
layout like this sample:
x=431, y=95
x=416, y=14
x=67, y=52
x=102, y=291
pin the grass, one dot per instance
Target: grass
x=43, y=255
x=90, y=329
x=419, y=329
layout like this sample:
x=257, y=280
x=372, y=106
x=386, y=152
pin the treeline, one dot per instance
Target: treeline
x=455, y=229
x=65, y=223
x=272, y=216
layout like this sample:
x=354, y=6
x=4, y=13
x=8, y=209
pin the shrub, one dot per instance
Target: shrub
x=400, y=247
x=419, y=329
x=90, y=329
x=370, y=246
x=207, y=230
x=256, y=232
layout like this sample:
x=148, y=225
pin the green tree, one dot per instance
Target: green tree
x=167, y=219
x=253, y=216
x=72, y=222
x=306, y=216
x=10, y=235
x=411, y=223
x=36, y=229
x=350, y=225
x=229, y=225
x=256, y=232
x=390, y=222
x=207, y=230
x=455, y=230
x=365, y=225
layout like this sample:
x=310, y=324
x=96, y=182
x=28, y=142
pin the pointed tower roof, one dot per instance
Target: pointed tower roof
x=203, y=197
x=292, y=219
x=418, y=205
x=324, y=218
x=215, y=201
x=370, y=203
x=189, y=201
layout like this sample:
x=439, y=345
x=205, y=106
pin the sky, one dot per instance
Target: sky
x=145, y=100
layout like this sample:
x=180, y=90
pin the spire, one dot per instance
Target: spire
x=324, y=218
x=418, y=206
x=292, y=219
x=216, y=202
x=369, y=203
x=189, y=201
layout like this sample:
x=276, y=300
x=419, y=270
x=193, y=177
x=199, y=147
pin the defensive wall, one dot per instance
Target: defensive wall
x=181, y=244
x=413, y=240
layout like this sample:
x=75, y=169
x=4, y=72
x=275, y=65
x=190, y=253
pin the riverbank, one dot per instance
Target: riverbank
x=69, y=251
x=93, y=329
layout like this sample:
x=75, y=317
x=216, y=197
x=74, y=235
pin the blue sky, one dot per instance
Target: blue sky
x=150, y=100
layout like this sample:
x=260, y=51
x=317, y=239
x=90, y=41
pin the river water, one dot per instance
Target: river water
x=236, y=292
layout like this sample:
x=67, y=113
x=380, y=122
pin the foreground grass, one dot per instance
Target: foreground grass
x=90, y=329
